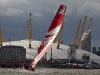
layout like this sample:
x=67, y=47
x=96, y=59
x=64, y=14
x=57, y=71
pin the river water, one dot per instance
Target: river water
x=49, y=71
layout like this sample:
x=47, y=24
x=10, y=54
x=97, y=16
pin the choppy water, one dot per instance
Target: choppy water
x=50, y=71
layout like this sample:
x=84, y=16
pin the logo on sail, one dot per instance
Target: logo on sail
x=62, y=10
x=47, y=39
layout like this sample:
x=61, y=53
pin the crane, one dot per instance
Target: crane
x=76, y=35
x=59, y=36
x=81, y=32
x=87, y=32
x=0, y=37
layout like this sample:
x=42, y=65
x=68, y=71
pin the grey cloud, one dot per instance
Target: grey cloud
x=43, y=12
x=11, y=12
x=80, y=7
x=37, y=14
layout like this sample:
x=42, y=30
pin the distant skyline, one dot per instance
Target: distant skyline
x=15, y=13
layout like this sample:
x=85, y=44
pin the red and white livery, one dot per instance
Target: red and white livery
x=51, y=34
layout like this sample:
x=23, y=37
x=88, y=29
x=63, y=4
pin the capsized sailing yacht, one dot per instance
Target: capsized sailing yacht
x=50, y=36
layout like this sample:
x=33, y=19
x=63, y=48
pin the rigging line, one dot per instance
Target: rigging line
x=54, y=56
x=93, y=33
x=37, y=31
x=23, y=31
x=97, y=28
x=6, y=33
x=71, y=26
x=68, y=38
x=40, y=36
x=7, y=28
x=72, y=29
x=72, y=22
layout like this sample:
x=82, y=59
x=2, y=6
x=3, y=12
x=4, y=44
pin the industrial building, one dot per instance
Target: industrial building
x=87, y=45
x=11, y=56
x=96, y=50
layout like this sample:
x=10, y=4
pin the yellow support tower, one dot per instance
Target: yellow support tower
x=76, y=35
x=0, y=38
x=59, y=36
x=29, y=30
x=79, y=40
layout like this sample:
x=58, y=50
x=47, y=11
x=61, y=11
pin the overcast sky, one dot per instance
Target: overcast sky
x=15, y=13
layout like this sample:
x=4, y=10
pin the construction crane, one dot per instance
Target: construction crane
x=86, y=35
x=76, y=36
x=0, y=38
x=59, y=36
x=81, y=32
